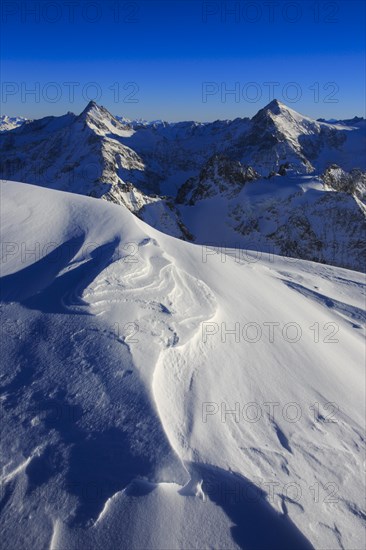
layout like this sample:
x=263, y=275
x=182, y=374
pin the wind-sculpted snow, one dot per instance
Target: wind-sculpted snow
x=159, y=394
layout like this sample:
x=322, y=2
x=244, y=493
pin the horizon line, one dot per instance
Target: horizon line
x=274, y=102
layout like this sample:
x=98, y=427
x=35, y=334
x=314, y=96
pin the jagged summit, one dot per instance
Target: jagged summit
x=91, y=105
x=94, y=110
x=100, y=120
x=276, y=107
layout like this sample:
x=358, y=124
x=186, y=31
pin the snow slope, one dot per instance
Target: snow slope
x=134, y=419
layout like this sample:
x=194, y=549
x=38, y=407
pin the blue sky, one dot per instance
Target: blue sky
x=179, y=60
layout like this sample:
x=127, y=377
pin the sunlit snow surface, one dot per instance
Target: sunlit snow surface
x=133, y=418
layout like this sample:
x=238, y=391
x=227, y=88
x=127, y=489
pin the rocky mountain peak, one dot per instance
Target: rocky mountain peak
x=273, y=109
x=276, y=107
x=95, y=111
x=91, y=106
x=99, y=119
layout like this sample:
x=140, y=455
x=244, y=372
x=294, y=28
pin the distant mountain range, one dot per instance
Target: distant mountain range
x=280, y=182
x=10, y=122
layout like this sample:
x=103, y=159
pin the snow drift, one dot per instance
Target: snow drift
x=160, y=394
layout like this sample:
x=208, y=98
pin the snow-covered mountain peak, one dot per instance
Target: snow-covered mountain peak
x=93, y=109
x=277, y=112
x=101, y=121
x=276, y=107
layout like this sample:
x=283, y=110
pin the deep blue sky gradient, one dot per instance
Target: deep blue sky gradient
x=163, y=53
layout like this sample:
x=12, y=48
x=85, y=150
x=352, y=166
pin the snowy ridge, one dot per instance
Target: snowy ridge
x=115, y=429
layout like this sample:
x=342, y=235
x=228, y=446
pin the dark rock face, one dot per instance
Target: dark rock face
x=218, y=176
x=353, y=182
x=311, y=146
x=282, y=171
x=329, y=227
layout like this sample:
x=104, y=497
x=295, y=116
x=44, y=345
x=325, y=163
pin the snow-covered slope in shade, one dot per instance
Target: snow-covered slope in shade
x=132, y=418
x=312, y=218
